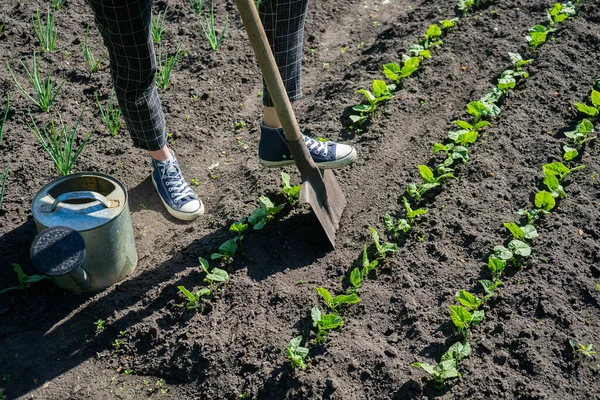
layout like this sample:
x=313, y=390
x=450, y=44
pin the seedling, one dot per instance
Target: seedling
x=3, y=178
x=449, y=23
x=593, y=110
x=526, y=232
x=381, y=92
x=58, y=4
x=165, y=67
x=382, y=248
x=570, y=153
x=2, y=25
x=25, y=280
x=538, y=35
x=264, y=213
x=560, y=12
x=532, y=215
x=45, y=90
x=296, y=353
x=111, y=116
x=60, y=146
x=431, y=37
x=497, y=262
x=448, y=366
x=486, y=106
x=117, y=344
x=324, y=323
x=100, y=325
x=580, y=135
x=5, y=114
x=292, y=193
x=582, y=348
x=468, y=300
x=197, y=6
x=90, y=60
x=239, y=228
x=334, y=303
x=467, y=134
x=358, y=275
x=518, y=62
x=396, y=73
x=214, y=275
x=463, y=319
x=195, y=182
x=208, y=27
x=193, y=298
x=226, y=251
x=489, y=288
x=46, y=34
x=158, y=26
x=430, y=181
x=395, y=228
x=453, y=152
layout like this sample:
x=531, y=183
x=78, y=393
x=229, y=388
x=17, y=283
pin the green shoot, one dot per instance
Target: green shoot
x=560, y=12
x=117, y=344
x=381, y=92
x=538, y=35
x=518, y=62
x=382, y=248
x=111, y=116
x=468, y=300
x=292, y=193
x=58, y=4
x=453, y=153
x=165, y=67
x=582, y=349
x=580, y=135
x=395, y=228
x=486, y=106
x=367, y=265
x=208, y=27
x=193, y=298
x=430, y=181
x=46, y=34
x=3, y=121
x=324, y=323
x=226, y=251
x=3, y=178
x=463, y=319
x=296, y=353
x=522, y=232
x=100, y=325
x=2, y=25
x=264, y=213
x=214, y=275
x=497, y=265
x=356, y=278
x=532, y=215
x=448, y=366
x=396, y=73
x=25, y=280
x=449, y=23
x=468, y=133
x=197, y=6
x=466, y=5
x=335, y=302
x=90, y=60
x=45, y=91
x=239, y=228
x=489, y=288
x=593, y=110
x=60, y=146
x=158, y=26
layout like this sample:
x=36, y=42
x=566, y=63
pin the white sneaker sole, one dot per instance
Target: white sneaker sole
x=183, y=216
x=340, y=162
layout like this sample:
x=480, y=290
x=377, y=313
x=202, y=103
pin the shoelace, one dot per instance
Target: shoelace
x=315, y=146
x=176, y=185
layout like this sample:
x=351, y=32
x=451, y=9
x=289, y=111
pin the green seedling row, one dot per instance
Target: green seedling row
x=323, y=324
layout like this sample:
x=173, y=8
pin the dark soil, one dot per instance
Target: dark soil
x=49, y=345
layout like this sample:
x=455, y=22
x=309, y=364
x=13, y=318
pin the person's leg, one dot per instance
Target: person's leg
x=283, y=21
x=126, y=27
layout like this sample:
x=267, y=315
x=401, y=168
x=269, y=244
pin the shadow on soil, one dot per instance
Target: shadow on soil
x=60, y=327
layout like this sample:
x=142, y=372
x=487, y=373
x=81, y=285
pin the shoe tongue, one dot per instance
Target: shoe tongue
x=171, y=169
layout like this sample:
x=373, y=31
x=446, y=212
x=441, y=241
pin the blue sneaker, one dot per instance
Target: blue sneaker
x=175, y=193
x=273, y=150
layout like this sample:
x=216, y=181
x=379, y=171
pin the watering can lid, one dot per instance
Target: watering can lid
x=81, y=201
x=57, y=251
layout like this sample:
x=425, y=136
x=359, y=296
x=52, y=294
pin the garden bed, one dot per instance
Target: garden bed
x=235, y=347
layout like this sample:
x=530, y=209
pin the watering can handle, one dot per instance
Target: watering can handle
x=80, y=195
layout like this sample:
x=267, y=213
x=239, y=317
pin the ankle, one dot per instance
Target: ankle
x=162, y=154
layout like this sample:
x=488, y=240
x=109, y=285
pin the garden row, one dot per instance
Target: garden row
x=456, y=151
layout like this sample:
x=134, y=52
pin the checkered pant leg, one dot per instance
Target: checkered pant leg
x=126, y=27
x=283, y=21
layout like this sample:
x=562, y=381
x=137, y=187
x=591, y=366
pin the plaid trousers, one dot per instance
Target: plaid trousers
x=126, y=28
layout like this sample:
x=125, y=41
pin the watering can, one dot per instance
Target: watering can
x=85, y=239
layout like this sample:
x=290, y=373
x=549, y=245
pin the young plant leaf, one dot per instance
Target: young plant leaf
x=515, y=230
x=519, y=248
x=467, y=299
x=497, y=265
x=326, y=296
x=356, y=278
x=588, y=110
x=217, y=275
x=503, y=253
x=544, y=200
